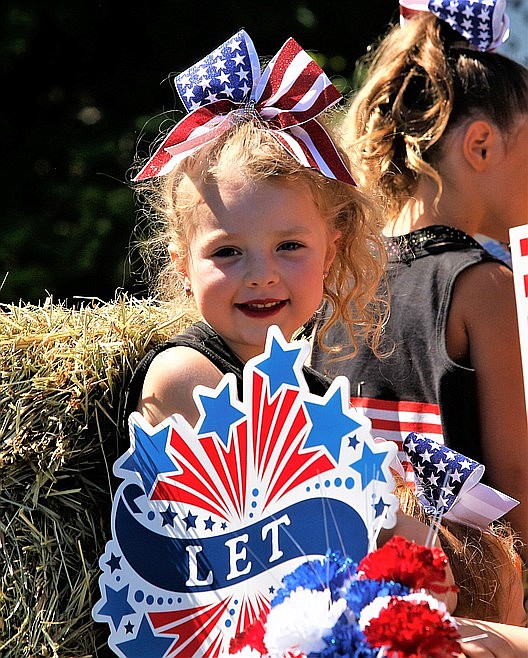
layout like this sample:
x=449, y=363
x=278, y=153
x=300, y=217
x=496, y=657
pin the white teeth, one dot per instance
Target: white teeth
x=267, y=305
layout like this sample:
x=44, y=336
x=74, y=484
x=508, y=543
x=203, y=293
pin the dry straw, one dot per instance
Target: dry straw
x=62, y=375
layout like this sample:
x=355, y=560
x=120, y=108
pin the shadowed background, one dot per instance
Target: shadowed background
x=82, y=84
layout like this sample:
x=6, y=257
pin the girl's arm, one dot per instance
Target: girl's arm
x=501, y=641
x=483, y=327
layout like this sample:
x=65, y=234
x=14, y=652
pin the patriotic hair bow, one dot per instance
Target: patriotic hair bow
x=483, y=23
x=450, y=484
x=227, y=85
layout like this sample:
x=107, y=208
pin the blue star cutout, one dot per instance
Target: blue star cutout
x=329, y=424
x=369, y=466
x=114, y=563
x=224, y=525
x=379, y=507
x=146, y=643
x=220, y=414
x=279, y=367
x=168, y=517
x=190, y=520
x=352, y=442
x=149, y=458
x=209, y=523
x=129, y=627
x=116, y=605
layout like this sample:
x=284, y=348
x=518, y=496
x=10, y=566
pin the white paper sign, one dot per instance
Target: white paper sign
x=519, y=251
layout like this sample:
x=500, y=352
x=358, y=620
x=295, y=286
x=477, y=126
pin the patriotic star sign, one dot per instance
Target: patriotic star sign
x=209, y=519
x=227, y=86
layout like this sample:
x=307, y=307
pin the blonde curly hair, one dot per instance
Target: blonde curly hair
x=171, y=204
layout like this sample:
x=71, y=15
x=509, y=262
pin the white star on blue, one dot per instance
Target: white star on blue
x=149, y=457
x=279, y=367
x=369, y=466
x=146, y=643
x=219, y=413
x=116, y=605
x=329, y=424
x=218, y=75
x=463, y=17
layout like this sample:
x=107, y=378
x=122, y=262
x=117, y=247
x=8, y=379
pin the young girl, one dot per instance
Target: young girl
x=440, y=131
x=256, y=238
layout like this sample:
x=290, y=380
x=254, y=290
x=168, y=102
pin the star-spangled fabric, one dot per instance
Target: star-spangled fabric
x=449, y=483
x=482, y=23
x=227, y=85
x=202, y=536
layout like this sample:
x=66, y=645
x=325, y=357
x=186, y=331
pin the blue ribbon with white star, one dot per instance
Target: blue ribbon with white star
x=449, y=484
x=484, y=24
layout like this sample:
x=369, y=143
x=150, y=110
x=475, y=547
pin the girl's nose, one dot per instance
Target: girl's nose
x=261, y=272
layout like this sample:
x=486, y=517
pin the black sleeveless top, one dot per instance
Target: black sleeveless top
x=203, y=338
x=417, y=386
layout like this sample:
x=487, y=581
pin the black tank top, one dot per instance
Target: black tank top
x=418, y=387
x=201, y=337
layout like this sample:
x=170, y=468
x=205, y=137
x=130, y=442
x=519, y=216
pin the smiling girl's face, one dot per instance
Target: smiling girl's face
x=257, y=257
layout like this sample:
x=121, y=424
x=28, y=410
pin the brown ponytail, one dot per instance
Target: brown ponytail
x=420, y=82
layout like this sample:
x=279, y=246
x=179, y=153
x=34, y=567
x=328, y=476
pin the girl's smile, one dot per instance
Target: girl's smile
x=263, y=308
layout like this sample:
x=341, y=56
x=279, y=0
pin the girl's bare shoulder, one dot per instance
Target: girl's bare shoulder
x=170, y=381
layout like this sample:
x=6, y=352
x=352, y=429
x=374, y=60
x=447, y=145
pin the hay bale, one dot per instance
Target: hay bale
x=62, y=374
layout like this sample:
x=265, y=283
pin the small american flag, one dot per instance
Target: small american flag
x=288, y=96
x=483, y=23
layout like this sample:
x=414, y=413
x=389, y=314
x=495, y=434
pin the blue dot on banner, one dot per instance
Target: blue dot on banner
x=150, y=599
x=151, y=516
x=327, y=483
x=232, y=611
x=170, y=600
x=307, y=489
x=317, y=486
x=253, y=504
x=139, y=596
x=160, y=600
x=251, y=515
x=338, y=482
x=118, y=578
x=179, y=599
x=349, y=483
x=228, y=622
x=255, y=492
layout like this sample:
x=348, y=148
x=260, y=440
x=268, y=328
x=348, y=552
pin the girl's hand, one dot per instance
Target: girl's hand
x=501, y=641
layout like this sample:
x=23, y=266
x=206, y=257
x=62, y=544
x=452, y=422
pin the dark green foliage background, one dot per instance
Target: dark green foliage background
x=82, y=82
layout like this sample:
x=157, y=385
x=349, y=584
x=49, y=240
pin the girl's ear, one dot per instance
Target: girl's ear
x=178, y=262
x=480, y=140
x=331, y=250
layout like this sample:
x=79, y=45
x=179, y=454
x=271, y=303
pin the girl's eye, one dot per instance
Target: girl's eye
x=290, y=246
x=226, y=252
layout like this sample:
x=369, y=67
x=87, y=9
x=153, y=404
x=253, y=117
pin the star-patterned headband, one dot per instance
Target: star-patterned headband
x=227, y=86
x=449, y=484
x=484, y=24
